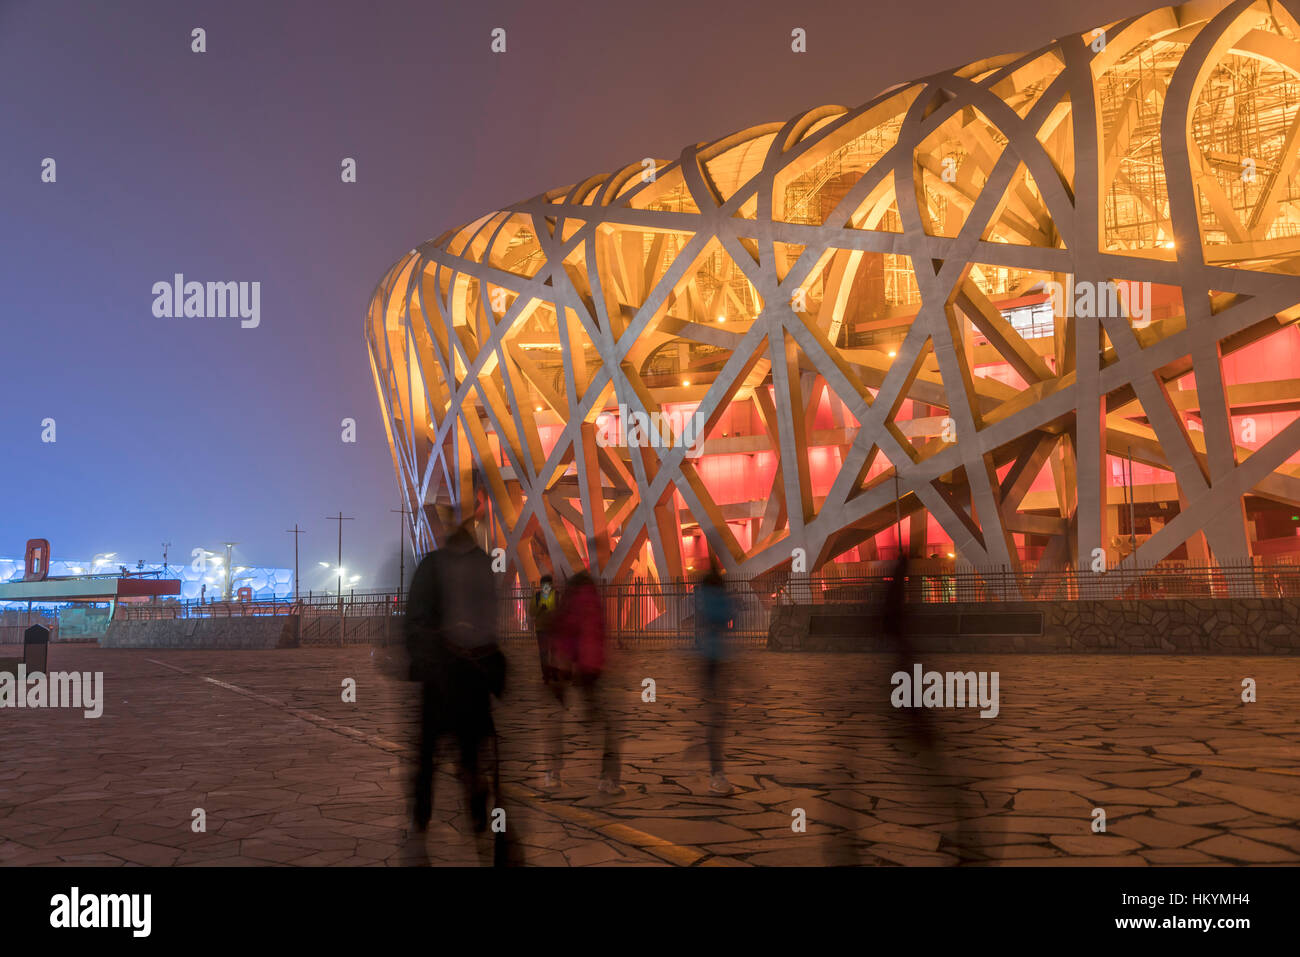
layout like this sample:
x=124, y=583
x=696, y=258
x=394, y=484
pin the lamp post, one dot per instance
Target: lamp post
x=205, y=558
x=340, y=518
x=229, y=547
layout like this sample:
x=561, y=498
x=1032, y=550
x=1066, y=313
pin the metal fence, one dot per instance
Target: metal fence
x=664, y=612
x=637, y=612
x=1167, y=580
x=13, y=634
x=14, y=622
x=352, y=605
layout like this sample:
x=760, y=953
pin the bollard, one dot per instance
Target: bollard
x=36, y=648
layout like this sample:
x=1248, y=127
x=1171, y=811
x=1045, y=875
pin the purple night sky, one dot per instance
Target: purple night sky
x=225, y=166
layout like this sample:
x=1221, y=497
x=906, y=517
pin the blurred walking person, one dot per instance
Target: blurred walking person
x=578, y=640
x=544, y=610
x=451, y=635
x=896, y=624
x=931, y=771
x=714, y=612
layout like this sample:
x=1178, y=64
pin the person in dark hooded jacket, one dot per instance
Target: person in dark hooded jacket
x=451, y=636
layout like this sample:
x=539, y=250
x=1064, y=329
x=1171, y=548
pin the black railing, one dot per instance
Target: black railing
x=645, y=610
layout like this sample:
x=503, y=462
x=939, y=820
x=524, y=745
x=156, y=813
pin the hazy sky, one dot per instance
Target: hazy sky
x=225, y=166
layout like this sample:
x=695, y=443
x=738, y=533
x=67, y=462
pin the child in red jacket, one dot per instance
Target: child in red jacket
x=579, y=643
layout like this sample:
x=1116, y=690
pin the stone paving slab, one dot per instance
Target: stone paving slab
x=288, y=773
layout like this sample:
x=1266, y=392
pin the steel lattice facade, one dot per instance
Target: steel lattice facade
x=1028, y=312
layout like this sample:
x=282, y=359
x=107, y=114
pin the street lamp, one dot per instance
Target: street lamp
x=205, y=557
x=229, y=547
x=247, y=576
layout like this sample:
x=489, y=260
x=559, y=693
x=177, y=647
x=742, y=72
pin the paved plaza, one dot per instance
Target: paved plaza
x=287, y=772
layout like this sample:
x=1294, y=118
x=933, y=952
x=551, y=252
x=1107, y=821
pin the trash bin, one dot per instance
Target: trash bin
x=36, y=648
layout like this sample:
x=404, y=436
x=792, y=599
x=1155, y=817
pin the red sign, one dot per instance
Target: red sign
x=37, y=560
x=145, y=587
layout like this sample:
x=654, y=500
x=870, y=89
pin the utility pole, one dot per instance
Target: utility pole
x=401, y=554
x=339, y=568
x=295, y=532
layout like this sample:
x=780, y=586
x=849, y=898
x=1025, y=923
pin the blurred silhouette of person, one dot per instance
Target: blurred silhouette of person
x=896, y=625
x=921, y=726
x=542, y=609
x=451, y=636
x=714, y=611
x=579, y=642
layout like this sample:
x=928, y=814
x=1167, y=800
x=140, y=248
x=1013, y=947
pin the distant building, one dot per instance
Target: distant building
x=266, y=582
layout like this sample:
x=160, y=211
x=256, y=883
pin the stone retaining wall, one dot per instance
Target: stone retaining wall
x=1190, y=626
x=252, y=633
